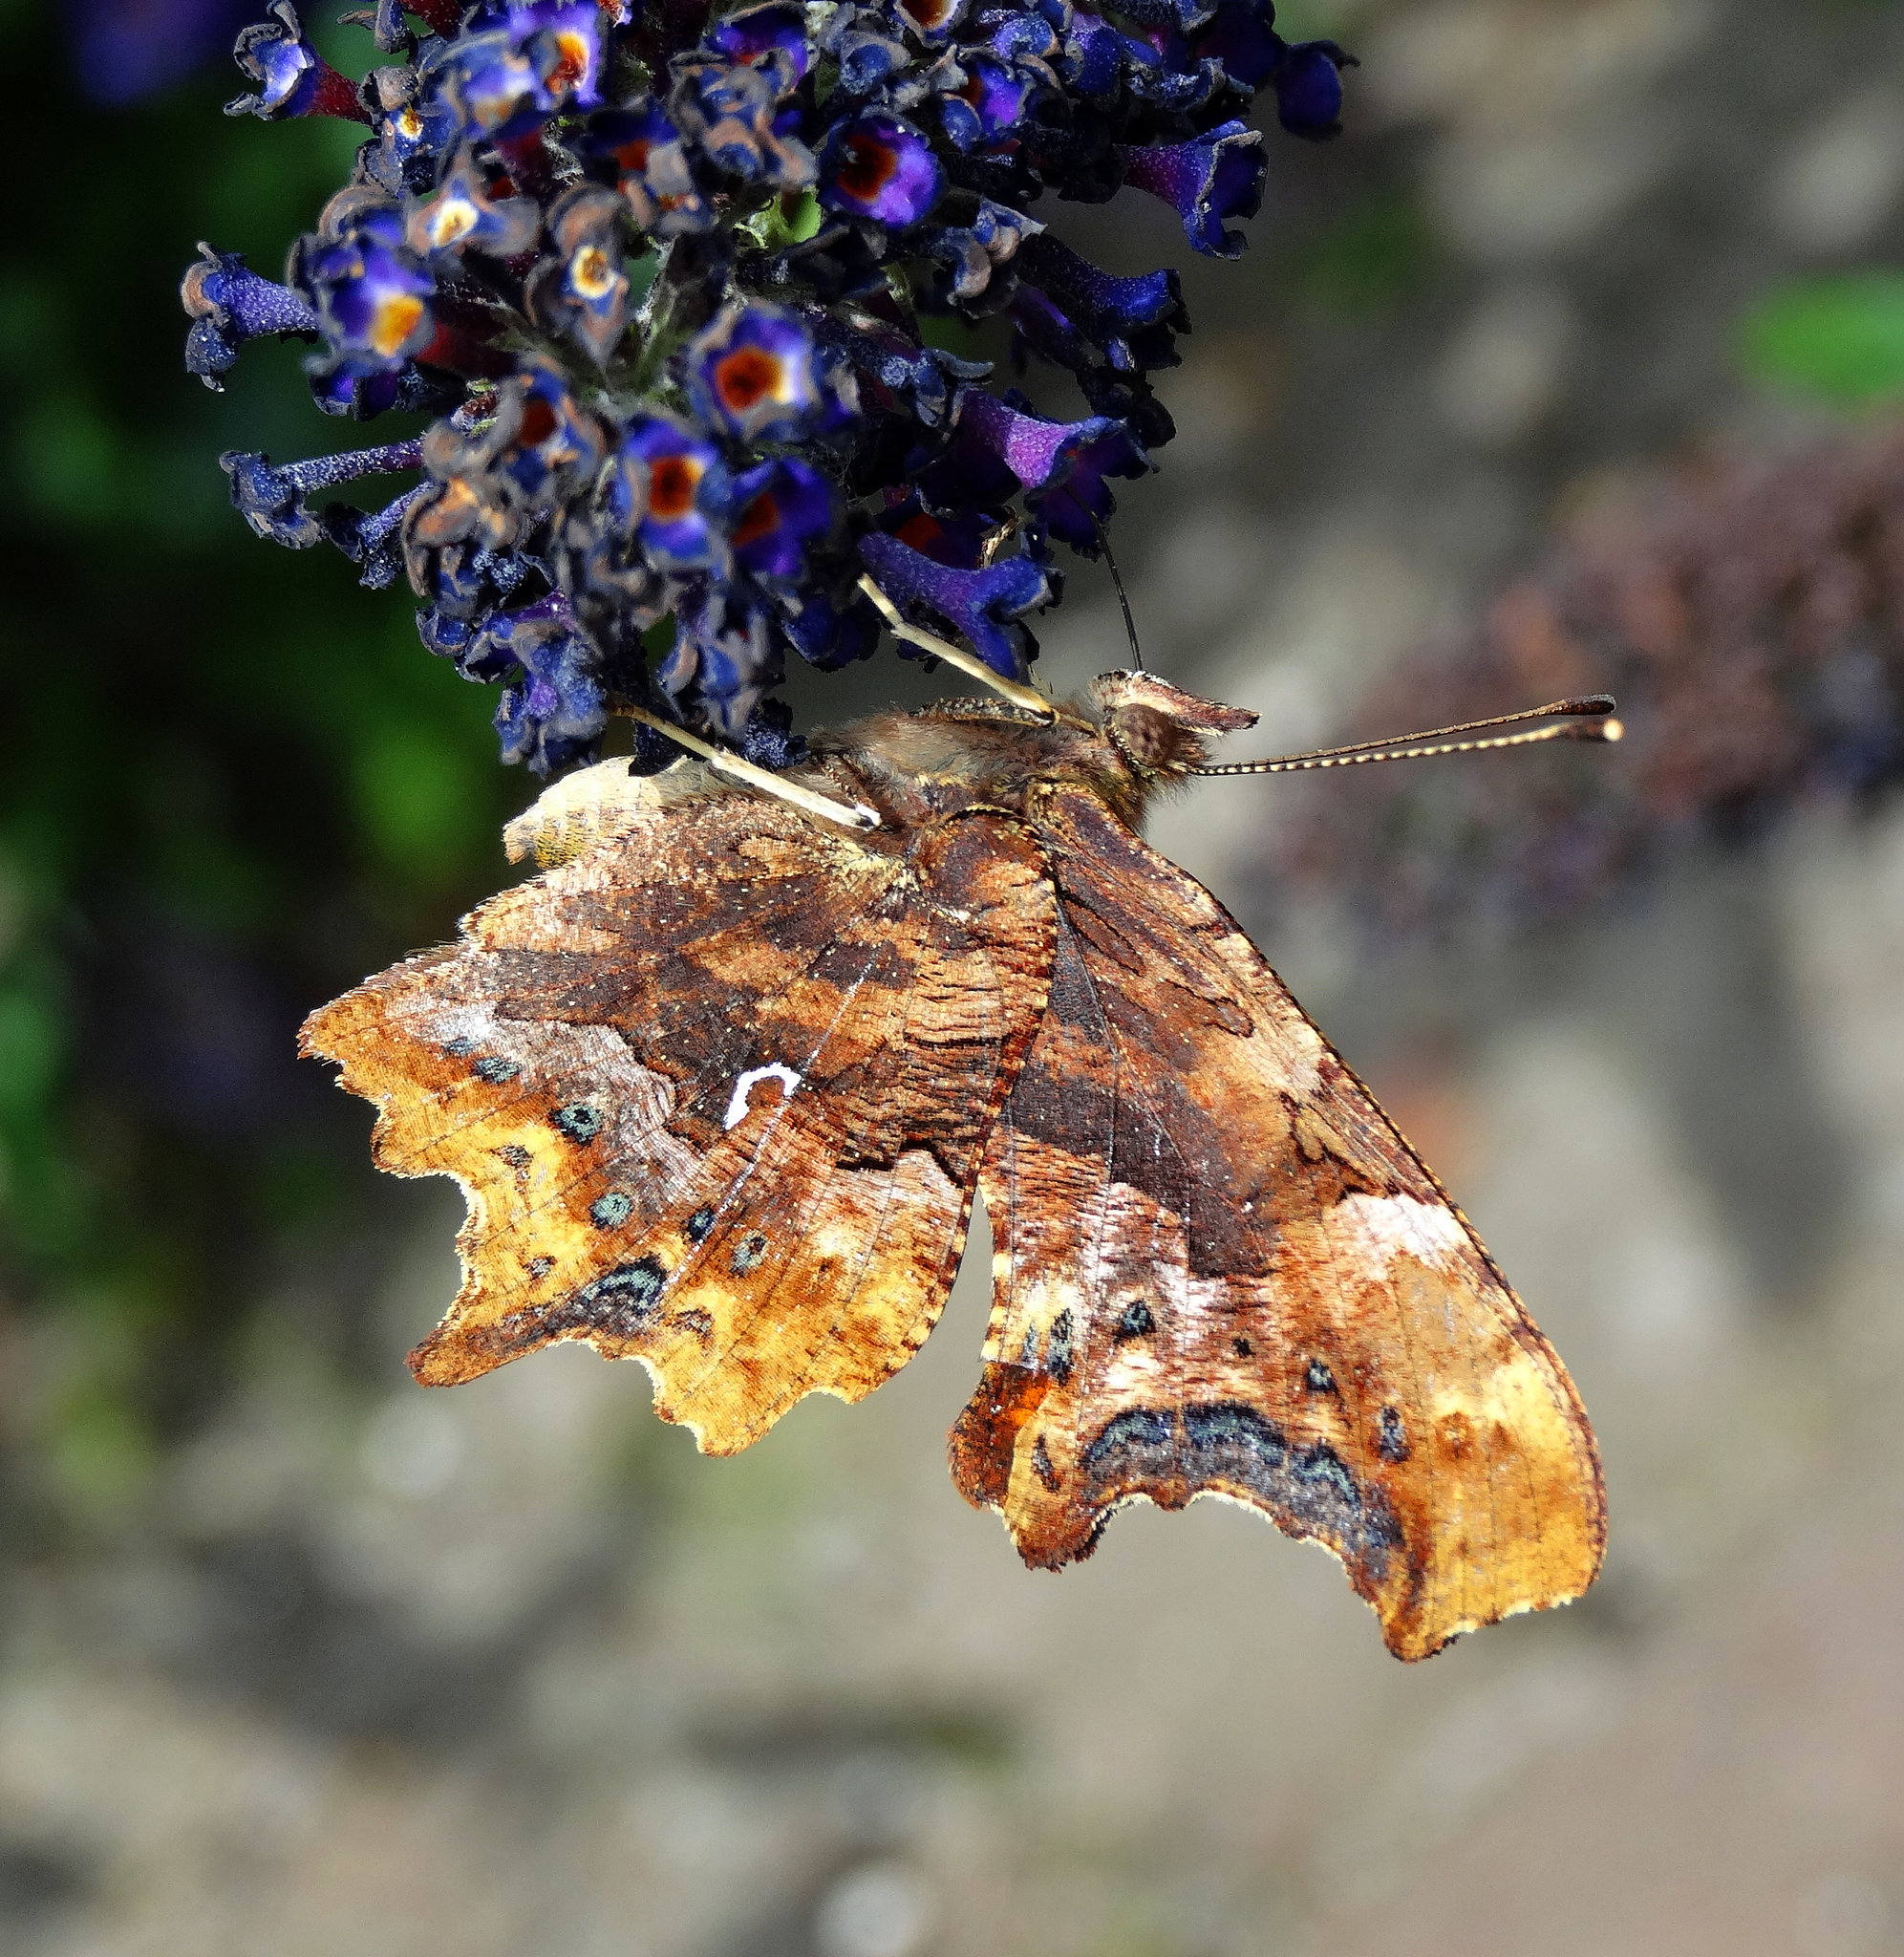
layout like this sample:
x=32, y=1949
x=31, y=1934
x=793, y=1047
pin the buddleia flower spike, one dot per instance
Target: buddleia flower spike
x=688, y=305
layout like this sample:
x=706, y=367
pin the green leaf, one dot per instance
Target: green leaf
x=31, y=1051
x=416, y=790
x=1840, y=337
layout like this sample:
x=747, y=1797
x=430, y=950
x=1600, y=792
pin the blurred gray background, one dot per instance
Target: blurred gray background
x=350, y=1667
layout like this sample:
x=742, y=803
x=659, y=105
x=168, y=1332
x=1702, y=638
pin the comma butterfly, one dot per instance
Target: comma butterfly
x=719, y=1083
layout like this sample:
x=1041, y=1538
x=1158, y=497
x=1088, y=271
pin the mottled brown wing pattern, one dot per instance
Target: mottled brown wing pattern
x=1219, y=1270
x=716, y=1089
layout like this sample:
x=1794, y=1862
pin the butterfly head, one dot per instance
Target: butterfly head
x=1159, y=731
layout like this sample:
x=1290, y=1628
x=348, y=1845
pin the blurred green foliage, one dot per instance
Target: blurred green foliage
x=1374, y=258
x=235, y=782
x=1839, y=338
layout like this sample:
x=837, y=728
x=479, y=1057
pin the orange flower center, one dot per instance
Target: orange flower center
x=870, y=166
x=571, y=63
x=760, y=517
x=393, y=322
x=671, y=484
x=745, y=378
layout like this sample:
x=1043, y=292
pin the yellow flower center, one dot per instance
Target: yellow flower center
x=393, y=322
x=591, y=272
x=453, y=219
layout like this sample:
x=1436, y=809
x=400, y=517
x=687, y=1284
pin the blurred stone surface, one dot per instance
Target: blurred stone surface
x=513, y=1671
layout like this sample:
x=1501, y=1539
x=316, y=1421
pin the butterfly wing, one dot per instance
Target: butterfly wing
x=1219, y=1270
x=716, y=1089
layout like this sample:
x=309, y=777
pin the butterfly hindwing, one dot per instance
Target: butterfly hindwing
x=1220, y=1270
x=716, y=1089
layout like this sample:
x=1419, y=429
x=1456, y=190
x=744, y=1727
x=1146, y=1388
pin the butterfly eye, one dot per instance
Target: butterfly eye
x=1151, y=742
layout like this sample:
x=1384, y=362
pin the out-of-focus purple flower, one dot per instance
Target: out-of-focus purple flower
x=989, y=104
x=580, y=288
x=127, y=49
x=782, y=510
x=461, y=216
x=997, y=449
x=729, y=113
x=754, y=373
x=1214, y=178
x=563, y=40
x=551, y=714
x=554, y=441
x=1308, y=81
x=492, y=81
x=742, y=232
x=755, y=34
x=493, y=480
x=371, y=293
x=933, y=21
x=827, y=632
x=970, y=252
x=955, y=538
x=227, y=306
x=640, y=151
x=290, y=78
x=877, y=166
x=684, y=485
x=724, y=655
x=986, y=605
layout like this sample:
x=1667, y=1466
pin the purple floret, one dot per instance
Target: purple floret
x=984, y=606
x=682, y=303
x=684, y=481
x=1216, y=178
x=782, y=510
x=878, y=166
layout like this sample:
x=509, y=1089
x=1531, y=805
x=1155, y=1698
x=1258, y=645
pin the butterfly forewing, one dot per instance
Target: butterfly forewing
x=1220, y=1270
x=716, y=1090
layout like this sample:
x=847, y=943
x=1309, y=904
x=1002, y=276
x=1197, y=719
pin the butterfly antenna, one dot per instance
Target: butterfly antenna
x=969, y=663
x=1117, y=583
x=1589, y=717
x=856, y=816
